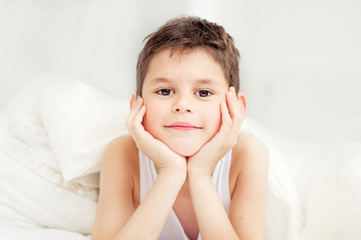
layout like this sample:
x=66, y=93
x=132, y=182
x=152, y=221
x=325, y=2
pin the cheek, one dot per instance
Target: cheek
x=213, y=117
x=152, y=115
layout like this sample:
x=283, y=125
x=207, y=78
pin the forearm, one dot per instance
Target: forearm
x=149, y=218
x=212, y=218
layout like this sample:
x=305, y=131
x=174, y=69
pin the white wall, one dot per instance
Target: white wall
x=94, y=41
x=300, y=64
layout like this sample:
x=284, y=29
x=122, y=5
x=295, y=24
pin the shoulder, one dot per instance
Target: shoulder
x=120, y=158
x=121, y=143
x=249, y=145
x=120, y=148
x=250, y=157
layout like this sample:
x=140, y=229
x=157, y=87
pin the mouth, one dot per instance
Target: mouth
x=182, y=126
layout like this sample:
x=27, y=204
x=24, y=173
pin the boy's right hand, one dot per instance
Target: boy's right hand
x=165, y=160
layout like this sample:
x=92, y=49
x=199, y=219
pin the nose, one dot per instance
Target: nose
x=183, y=104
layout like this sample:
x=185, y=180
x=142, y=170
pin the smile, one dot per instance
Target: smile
x=182, y=126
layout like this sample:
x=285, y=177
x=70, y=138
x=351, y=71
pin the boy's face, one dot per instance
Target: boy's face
x=183, y=94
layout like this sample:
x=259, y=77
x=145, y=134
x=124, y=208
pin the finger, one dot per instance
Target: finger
x=232, y=102
x=138, y=128
x=135, y=108
x=138, y=117
x=226, y=118
x=133, y=113
x=235, y=113
x=233, y=106
x=138, y=112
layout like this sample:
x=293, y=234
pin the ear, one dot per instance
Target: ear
x=132, y=99
x=242, y=103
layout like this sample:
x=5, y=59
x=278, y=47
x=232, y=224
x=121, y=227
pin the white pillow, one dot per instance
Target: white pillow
x=24, y=123
x=283, y=208
x=34, y=195
x=77, y=121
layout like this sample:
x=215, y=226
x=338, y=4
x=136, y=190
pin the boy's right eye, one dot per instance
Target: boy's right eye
x=165, y=92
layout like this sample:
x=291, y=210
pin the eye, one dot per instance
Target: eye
x=165, y=92
x=203, y=93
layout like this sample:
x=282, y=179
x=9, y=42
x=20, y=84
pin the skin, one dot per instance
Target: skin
x=187, y=119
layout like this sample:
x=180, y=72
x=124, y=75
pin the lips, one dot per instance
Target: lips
x=183, y=126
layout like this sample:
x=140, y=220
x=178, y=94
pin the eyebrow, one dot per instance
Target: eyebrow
x=198, y=81
x=160, y=80
x=207, y=81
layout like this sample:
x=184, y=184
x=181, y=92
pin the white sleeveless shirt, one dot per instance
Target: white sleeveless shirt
x=173, y=228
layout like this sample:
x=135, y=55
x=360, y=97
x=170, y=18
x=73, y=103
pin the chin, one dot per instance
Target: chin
x=186, y=150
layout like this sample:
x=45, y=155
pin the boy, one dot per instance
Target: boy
x=186, y=170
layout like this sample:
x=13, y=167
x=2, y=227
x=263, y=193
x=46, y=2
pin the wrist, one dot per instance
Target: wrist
x=198, y=180
x=176, y=174
x=197, y=168
x=198, y=172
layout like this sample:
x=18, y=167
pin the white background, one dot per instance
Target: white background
x=300, y=66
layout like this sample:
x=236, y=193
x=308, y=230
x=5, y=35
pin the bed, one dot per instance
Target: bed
x=54, y=130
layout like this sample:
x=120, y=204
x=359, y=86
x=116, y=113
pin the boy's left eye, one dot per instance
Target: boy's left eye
x=203, y=93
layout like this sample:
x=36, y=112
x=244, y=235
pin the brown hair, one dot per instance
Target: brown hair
x=187, y=33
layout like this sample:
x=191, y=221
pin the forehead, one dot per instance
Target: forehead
x=184, y=65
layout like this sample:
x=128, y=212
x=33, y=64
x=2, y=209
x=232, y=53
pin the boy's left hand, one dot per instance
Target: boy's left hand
x=205, y=160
